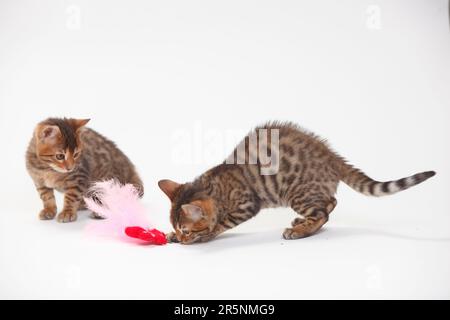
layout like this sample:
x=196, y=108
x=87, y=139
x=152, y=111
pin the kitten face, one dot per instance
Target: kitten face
x=193, y=215
x=58, y=143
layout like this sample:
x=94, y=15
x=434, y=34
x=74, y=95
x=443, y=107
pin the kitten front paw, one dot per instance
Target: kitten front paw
x=96, y=216
x=66, y=216
x=47, y=214
x=207, y=238
x=171, y=237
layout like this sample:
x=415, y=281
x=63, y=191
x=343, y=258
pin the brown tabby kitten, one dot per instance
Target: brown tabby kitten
x=65, y=155
x=307, y=176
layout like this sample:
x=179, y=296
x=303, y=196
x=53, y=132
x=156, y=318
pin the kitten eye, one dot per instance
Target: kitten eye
x=60, y=156
x=76, y=154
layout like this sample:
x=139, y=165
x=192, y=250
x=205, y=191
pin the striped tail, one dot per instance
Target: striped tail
x=360, y=182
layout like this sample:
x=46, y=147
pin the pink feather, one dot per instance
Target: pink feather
x=119, y=205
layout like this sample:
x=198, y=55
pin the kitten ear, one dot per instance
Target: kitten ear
x=47, y=132
x=169, y=187
x=193, y=212
x=79, y=123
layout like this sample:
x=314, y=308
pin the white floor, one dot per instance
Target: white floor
x=171, y=83
x=358, y=255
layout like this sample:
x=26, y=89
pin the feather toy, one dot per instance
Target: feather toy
x=123, y=213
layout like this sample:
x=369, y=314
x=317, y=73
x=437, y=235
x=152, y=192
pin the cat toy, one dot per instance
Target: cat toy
x=123, y=213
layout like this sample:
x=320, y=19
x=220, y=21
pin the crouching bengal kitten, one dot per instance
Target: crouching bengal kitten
x=66, y=156
x=307, y=176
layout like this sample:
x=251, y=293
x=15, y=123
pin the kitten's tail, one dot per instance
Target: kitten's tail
x=360, y=182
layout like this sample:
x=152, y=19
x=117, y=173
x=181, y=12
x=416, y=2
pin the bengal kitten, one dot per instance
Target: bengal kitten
x=305, y=177
x=66, y=156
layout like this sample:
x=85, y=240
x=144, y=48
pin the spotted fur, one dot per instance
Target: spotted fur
x=307, y=179
x=66, y=156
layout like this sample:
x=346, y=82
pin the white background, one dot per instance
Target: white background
x=169, y=80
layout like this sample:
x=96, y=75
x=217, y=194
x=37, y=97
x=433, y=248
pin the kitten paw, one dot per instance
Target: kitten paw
x=297, y=221
x=96, y=216
x=172, y=237
x=206, y=238
x=47, y=214
x=67, y=216
x=300, y=231
x=293, y=233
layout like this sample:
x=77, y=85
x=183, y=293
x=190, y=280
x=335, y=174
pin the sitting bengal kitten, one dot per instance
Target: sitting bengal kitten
x=65, y=155
x=306, y=175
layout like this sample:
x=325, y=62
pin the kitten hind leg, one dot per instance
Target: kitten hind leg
x=137, y=183
x=329, y=208
x=93, y=214
x=314, y=216
x=96, y=216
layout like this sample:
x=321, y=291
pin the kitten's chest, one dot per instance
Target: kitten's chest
x=53, y=181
